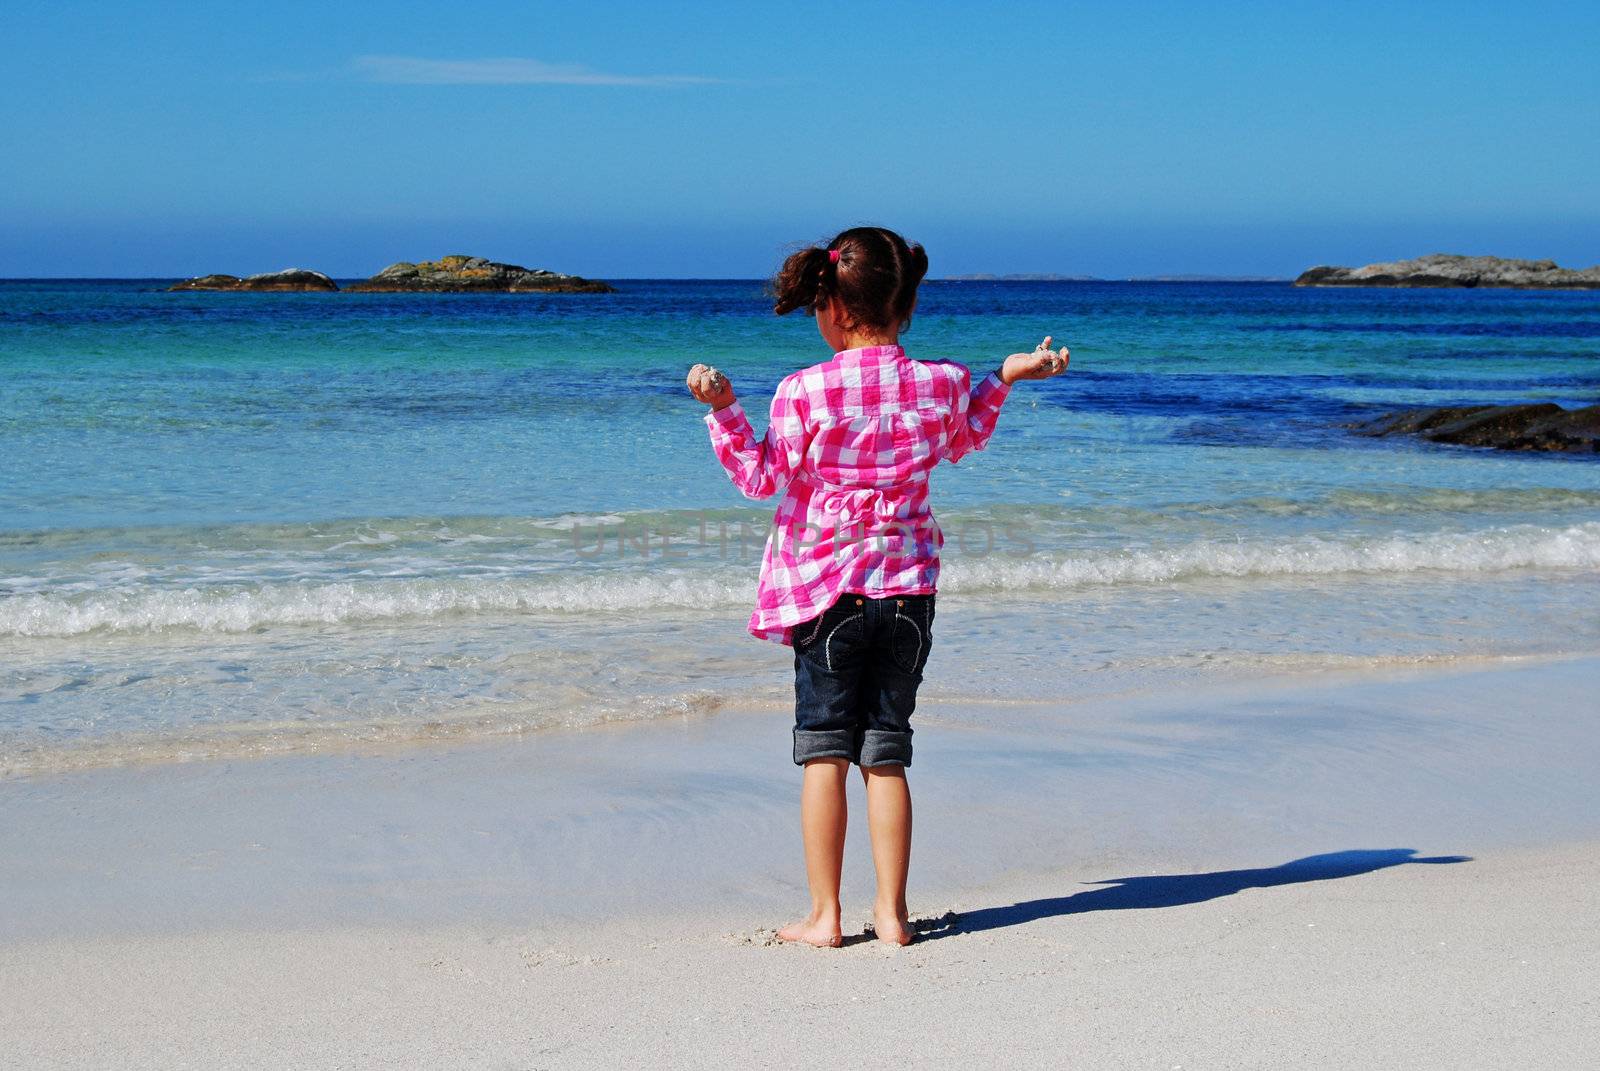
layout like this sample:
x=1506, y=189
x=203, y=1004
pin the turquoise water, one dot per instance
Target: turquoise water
x=233, y=522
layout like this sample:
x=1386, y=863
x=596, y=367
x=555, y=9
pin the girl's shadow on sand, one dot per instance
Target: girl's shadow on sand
x=1171, y=890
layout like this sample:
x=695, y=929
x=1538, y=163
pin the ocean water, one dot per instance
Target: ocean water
x=232, y=524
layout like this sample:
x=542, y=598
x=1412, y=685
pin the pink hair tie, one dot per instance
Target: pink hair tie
x=833, y=256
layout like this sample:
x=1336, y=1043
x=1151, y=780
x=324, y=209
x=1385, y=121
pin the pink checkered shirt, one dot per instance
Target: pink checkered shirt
x=851, y=443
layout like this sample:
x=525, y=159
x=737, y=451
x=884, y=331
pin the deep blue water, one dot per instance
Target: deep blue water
x=204, y=471
x=133, y=405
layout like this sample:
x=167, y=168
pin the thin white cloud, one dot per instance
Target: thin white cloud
x=506, y=71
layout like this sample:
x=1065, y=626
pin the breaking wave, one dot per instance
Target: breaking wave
x=233, y=607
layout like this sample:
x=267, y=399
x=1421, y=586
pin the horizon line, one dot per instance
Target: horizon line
x=982, y=277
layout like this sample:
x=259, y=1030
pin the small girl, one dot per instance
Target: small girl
x=850, y=569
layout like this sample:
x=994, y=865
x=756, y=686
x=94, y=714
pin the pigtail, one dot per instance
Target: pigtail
x=803, y=281
x=917, y=269
x=871, y=271
x=916, y=266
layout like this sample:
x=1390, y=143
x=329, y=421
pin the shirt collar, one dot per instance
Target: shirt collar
x=864, y=353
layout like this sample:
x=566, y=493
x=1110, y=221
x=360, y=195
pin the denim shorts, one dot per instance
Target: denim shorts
x=856, y=671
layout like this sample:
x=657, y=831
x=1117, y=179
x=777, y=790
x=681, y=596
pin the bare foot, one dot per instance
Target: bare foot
x=818, y=930
x=892, y=927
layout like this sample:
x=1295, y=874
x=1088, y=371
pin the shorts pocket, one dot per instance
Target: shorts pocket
x=912, y=636
x=808, y=633
x=834, y=641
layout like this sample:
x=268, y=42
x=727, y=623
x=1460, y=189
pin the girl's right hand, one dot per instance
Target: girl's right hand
x=1042, y=363
x=710, y=386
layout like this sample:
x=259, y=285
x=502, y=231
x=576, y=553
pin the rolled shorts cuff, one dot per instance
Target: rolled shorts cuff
x=823, y=744
x=883, y=747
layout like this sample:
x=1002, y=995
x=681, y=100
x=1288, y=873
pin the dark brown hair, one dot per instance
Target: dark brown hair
x=874, y=276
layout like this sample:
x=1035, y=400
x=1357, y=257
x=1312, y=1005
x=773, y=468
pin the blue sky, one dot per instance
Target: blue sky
x=703, y=139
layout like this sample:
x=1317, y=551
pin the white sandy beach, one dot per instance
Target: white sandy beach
x=1487, y=964
x=1378, y=869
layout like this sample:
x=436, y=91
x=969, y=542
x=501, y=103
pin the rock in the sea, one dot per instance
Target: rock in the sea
x=287, y=279
x=208, y=282
x=1542, y=426
x=462, y=273
x=1449, y=269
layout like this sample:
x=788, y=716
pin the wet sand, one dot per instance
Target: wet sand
x=1366, y=869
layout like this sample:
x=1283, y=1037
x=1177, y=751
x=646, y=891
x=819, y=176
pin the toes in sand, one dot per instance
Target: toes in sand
x=819, y=934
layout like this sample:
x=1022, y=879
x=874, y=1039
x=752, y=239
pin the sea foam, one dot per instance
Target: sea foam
x=240, y=607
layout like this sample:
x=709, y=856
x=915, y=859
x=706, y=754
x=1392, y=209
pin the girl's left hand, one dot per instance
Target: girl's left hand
x=1042, y=363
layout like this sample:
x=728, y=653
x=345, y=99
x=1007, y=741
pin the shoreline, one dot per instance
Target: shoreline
x=400, y=736
x=618, y=821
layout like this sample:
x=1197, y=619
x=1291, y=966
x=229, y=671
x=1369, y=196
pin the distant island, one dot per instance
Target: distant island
x=984, y=277
x=286, y=280
x=1454, y=270
x=1203, y=278
x=447, y=275
x=1022, y=277
x=458, y=273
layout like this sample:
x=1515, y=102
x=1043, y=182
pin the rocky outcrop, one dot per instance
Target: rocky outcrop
x=446, y=275
x=289, y=279
x=474, y=274
x=1545, y=426
x=1448, y=269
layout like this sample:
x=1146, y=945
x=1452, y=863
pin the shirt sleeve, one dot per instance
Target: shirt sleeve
x=977, y=411
x=761, y=467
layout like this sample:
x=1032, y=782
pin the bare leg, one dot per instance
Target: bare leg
x=822, y=823
x=889, y=816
